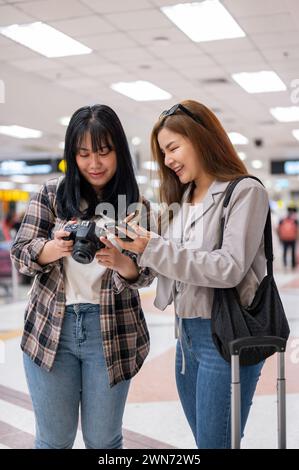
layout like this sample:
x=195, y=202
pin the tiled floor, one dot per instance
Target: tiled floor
x=153, y=416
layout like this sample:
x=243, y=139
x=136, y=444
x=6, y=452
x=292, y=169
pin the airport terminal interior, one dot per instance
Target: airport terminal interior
x=240, y=58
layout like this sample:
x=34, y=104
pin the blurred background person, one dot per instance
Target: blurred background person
x=288, y=233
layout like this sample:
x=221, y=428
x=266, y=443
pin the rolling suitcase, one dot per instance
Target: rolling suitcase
x=235, y=348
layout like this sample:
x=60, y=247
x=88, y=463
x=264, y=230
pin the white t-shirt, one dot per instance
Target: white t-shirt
x=82, y=281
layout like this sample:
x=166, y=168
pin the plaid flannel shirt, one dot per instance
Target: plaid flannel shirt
x=124, y=331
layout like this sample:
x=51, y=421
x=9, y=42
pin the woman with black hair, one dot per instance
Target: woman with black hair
x=85, y=334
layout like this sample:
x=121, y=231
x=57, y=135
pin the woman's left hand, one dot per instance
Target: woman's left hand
x=140, y=238
x=111, y=257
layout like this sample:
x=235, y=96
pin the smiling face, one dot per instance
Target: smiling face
x=98, y=168
x=179, y=155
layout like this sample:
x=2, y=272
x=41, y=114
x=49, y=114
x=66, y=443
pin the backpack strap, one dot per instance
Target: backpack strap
x=268, y=244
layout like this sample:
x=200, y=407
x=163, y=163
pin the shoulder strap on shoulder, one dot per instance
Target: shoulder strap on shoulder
x=268, y=226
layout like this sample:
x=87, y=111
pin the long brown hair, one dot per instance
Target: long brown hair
x=212, y=144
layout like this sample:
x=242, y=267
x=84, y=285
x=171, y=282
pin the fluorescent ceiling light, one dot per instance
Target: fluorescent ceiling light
x=150, y=165
x=136, y=140
x=204, y=21
x=64, y=121
x=257, y=164
x=44, y=39
x=286, y=113
x=237, y=139
x=20, y=132
x=141, y=90
x=31, y=188
x=259, y=82
x=242, y=155
x=20, y=178
x=141, y=179
x=295, y=133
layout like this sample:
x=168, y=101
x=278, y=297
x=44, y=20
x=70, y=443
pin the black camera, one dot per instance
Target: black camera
x=86, y=240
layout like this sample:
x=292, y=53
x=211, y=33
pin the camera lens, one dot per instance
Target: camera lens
x=84, y=251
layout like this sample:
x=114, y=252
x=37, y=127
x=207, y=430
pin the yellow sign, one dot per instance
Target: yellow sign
x=62, y=166
x=13, y=195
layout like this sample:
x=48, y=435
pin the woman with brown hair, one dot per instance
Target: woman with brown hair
x=197, y=161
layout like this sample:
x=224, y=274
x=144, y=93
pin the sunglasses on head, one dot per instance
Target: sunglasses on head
x=179, y=107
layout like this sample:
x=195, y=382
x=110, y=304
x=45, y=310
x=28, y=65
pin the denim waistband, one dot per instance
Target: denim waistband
x=82, y=307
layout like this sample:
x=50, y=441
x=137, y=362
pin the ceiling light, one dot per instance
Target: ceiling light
x=141, y=179
x=242, y=155
x=31, y=188
x=257, y=164
x=136, y=141
x=259, y=82
x=61, y=145
x=286, y=113
x=64, y=121
x=150, y=165
x=204, y=21
x=295, y=133
x=20, y=178
x=20, y=132
x=44, y=39
x=237, y=139
x=141, y=90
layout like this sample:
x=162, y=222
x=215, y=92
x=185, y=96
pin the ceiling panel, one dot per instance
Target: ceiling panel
x=35, y=64
x=11, y=15
x=108, y=41
x=103, y=69
x=272, y=40
x=241, y=8
x=134, y=54
x=54, y=9
x=104, y=6
x=175, y=50
x=160, y=36
x=141, y=19
x=85, y=26
x=268, y=24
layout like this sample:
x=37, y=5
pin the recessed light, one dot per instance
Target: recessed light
x=264, y=81
x=44, y=39
x=150, y=165
x=237, y=138
x=208, y=20
x=141, y=90
x=20, y=132
x=286, y=113
x=257, y=164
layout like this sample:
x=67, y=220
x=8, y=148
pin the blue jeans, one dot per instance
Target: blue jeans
x=205, y=389
x=78, y=378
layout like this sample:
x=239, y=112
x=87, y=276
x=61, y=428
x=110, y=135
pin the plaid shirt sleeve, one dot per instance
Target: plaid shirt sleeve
x=34, y=234
x=144, y=279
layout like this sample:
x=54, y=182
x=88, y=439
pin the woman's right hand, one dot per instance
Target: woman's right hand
x=56, y=248
x=60, y=246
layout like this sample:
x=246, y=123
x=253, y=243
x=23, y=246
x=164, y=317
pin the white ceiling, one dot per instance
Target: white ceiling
x=127, y=41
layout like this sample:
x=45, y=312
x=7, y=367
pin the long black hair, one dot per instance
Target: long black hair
x=105, y=128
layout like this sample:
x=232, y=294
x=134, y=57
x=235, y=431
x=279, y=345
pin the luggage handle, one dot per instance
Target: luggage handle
x=235, y=348
x=236, y=345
